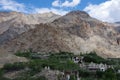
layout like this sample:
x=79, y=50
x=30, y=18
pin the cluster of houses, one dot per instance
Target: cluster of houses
x=79, y=60
x=65, y=75
x=91, y=66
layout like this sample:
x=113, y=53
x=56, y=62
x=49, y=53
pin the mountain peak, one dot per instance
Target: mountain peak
x=79, y=13
x=47, y=14
x=73, y=17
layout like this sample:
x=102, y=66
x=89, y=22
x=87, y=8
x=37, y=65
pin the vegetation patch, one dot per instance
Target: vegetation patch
x=63, y=62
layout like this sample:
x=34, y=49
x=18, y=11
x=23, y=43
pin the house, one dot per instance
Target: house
x=102, y=67
x=119, y=71
x=75, y=59
x=83, y=65
x=94, y=67
x=68, y=77
x=69, y=73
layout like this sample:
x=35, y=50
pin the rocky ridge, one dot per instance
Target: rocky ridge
x=13, y=24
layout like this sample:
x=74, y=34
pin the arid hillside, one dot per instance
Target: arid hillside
x=74, y=32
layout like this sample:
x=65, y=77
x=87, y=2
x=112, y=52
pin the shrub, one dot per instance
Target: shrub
x=93, y=57
x=99, y=74
x=26, y=54
x=14, y=66
x=73, y=77
x=84, y=73
x=40, y=78
x=110, y=74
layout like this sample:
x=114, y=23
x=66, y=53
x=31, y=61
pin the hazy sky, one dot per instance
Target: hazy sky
x=105, y=10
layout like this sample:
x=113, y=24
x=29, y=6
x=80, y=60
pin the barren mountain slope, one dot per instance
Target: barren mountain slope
x=13, y=23
x=75, y=32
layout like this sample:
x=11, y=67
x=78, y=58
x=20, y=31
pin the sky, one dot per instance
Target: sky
x=105, y=10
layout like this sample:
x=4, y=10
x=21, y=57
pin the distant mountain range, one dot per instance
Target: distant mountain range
x=74, y=32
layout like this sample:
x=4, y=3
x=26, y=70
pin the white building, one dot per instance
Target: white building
x=94, y=67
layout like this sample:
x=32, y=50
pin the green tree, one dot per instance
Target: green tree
x=99, y=74
x=73, y=77
x=110, y=74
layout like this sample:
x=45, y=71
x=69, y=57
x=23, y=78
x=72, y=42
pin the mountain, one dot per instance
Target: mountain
x=74, y=32
x=13, y=23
